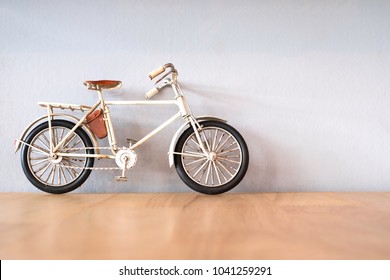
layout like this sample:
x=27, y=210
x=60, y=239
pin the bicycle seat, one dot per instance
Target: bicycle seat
x=102, y=84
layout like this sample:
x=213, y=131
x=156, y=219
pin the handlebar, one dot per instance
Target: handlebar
x=154, y=91
x=156, y=72
x=161, y=70
x=151, y=93
x=166, y=82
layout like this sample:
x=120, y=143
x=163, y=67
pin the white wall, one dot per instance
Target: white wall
x=307, y=83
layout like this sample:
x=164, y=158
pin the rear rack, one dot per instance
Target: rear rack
x=63, y=106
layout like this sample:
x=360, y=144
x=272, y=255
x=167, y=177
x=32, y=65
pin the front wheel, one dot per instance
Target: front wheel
x=59, y=174
x=222, y=168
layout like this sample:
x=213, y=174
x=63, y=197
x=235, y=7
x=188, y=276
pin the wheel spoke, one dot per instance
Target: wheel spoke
x=220, y=171
x=196, y=143
x=43, y=144
x=50, y=174
x=224, y=142
x=201, y=175
x=38, y=158
x=233, y=156
x=67, y=142
x=62, y=170
x=34, y=150
x=228, y=166
x=46, y=139
x=212, y=173
x=195, y=167
x=219, y=141
x=62, y=134
x=54, y=174
x=40, y=149
x=231, y=174
x=196, y=173
x=72, y=173
x=59, y=175
x=39, y=162
x=214, y=140
x=227, y=147
x=208, y=172
x=216, y=172
x=44, y=168
x=78, y=142
x=211, y=139
x=220, y=166
x=55, y=140
x=228, y=151
x=229, y=160
x=73, y=167
x=63, y=174
x=72, y=163
x=192, y=147
x=195, y=161
x=205, y=140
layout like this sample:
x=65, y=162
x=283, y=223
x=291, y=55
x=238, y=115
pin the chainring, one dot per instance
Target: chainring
x=126, y=158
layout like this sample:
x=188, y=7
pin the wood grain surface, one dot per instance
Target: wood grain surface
x=193, y=226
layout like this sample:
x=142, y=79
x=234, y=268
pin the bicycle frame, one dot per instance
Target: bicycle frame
x=180, y=101
x=210, y=156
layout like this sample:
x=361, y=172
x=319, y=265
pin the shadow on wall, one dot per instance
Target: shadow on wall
x=271, y=168
x=262, y=171
x=224, y=96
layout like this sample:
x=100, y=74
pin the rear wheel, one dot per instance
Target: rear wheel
x=59, y=174
x=224, y=166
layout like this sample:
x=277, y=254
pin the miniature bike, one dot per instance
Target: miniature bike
x=58, y=149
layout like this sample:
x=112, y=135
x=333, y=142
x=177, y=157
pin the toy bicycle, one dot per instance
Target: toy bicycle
x=58, y=149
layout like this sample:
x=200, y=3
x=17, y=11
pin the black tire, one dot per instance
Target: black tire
x=66, y=179
x=224, y=169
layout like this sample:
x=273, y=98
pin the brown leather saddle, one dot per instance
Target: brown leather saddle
x=102, y=84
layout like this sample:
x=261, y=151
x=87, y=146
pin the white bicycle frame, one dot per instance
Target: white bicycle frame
x=179, y=100
x=209, y=156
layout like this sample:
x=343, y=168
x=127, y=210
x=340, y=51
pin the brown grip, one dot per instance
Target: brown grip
x=156, y=72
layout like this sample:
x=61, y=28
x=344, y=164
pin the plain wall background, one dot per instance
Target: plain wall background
x=307, y=83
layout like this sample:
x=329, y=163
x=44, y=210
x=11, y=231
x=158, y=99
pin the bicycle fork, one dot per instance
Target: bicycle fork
x=197, y=128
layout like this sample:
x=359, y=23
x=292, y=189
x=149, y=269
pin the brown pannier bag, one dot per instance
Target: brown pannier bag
x=96, y=123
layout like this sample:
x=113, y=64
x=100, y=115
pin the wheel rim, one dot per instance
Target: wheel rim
x=222, y=163
x=60, y=171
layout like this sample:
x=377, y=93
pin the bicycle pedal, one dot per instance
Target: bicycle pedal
x=121, y=178
x=131, y=142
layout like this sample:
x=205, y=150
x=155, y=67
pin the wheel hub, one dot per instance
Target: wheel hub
x=55, y=158
x=212, y=156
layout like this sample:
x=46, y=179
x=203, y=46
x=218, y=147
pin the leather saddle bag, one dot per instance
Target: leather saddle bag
x=96, y=123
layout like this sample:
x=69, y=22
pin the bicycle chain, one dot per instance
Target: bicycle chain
x=85, y=148
x=88, y=168
x=78, y=149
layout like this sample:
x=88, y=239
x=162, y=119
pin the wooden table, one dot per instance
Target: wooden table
x=193, y=226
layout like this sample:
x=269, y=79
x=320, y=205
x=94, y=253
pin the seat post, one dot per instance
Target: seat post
x=100, y=94
x=99, y=86
x=107, y=121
